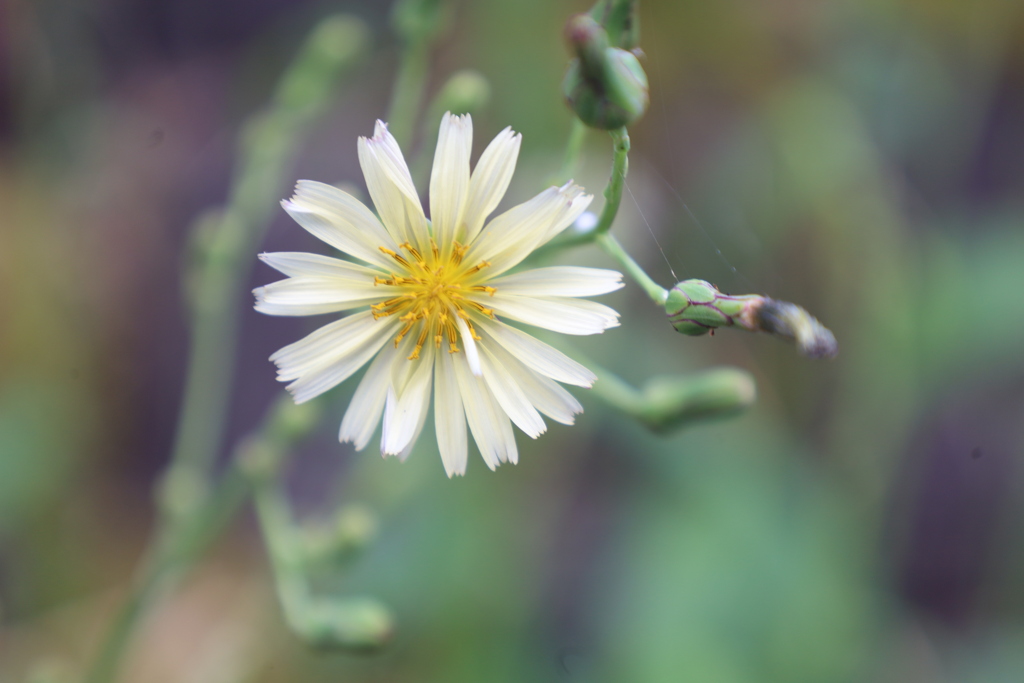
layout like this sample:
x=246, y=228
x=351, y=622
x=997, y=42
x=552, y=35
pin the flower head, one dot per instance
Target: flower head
x=431, y=299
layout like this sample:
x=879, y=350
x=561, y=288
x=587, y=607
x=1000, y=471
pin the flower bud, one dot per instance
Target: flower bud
x=350, y=624
x=696, y=307
x=673, y=402
x=467, y=91
x=605, y=86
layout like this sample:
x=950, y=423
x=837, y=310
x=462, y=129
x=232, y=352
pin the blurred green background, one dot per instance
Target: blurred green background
x=861, y=523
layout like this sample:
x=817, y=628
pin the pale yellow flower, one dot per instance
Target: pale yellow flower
x=432, y=296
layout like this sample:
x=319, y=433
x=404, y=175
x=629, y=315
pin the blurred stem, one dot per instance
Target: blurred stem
x=276, y=522
x=226, y=244
x=573, y=152
x=408, y=90
x=177, y=547
x=170, y=554
x=465, y=92
x=323, y=621
x=611, y=246
x=418, y=23
x=191, y=513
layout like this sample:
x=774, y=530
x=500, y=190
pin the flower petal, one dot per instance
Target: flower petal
x=491, y=428
x=314, y=295
x=391, y=188
x=515, y=234
x=559, y=281
x=302, y=264
x=449, y=179
x=404, y=455
x=406, y=405
x=331, y=354
x=364, y=411
x=472, y=355
x=489, y=181
x=537, y=355
x=510, y=396
x=545, y=394
x=449, y=416
x=340, y=220
x=560, y=314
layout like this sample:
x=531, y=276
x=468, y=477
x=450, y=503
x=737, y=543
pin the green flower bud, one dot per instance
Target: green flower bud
x=467, y=91
x=605, y=86
x=696, y=307
x=349, y=624
x=673, y=402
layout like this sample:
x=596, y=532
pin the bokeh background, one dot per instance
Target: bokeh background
x=862, y=522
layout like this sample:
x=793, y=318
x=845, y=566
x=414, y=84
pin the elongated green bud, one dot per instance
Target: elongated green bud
x=673, y=402
x=347, y=624
x=696, y=307
x=605, y=86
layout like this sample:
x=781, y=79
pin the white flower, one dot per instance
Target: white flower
x=431, y=296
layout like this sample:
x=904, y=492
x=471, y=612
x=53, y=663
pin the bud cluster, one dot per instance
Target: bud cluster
x=605, y=85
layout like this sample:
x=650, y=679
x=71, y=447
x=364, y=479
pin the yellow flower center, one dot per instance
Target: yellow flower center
x=432, y=295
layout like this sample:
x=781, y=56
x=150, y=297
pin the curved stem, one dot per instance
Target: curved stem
x=191, y=514
x=418, y=23
x=613, y=192
x=407, y=93
x=573, y=152
x=611, y=246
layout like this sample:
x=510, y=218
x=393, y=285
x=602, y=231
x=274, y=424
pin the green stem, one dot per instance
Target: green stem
x=322, y=621
x=613, y=193
x=611, y=246
x=669, y=402
x=573, y=152
x=168, y=557
x=191, y=514
x=407, y=94
x=418, y=23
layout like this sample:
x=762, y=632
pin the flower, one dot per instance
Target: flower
x=432, y=298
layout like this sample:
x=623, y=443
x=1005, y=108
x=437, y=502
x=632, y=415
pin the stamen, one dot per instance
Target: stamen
x=486, y=311
x=419, y=344
x=405, y=330
x=397, y=257
x=453, y=336
x=432, y=295
x=412, y=250
x=458, y=252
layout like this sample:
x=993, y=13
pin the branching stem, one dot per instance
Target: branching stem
x=192, y=510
